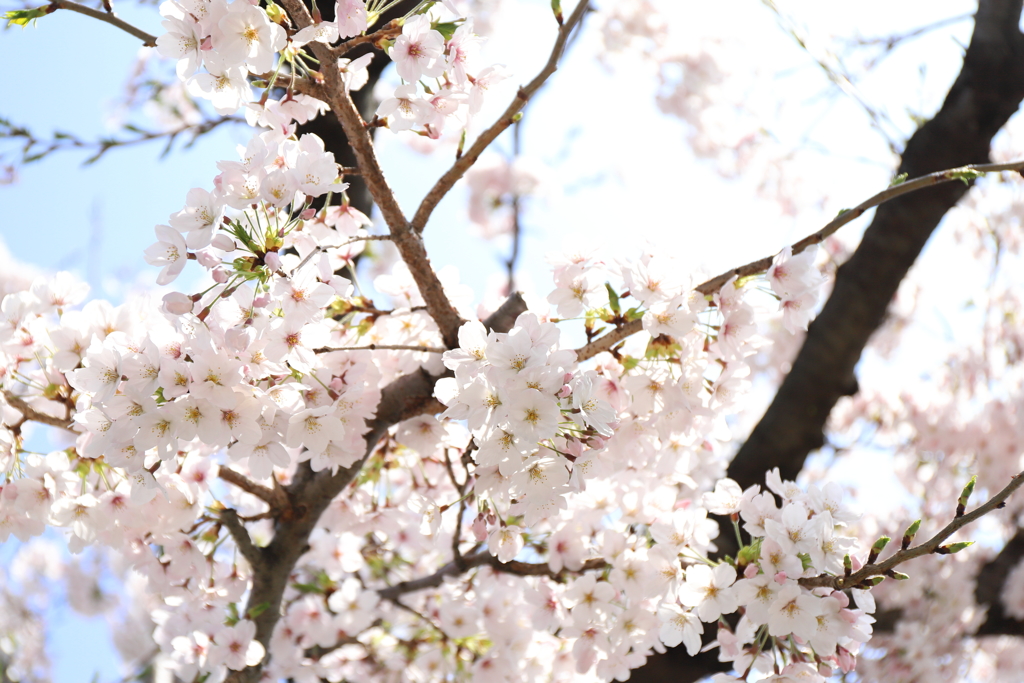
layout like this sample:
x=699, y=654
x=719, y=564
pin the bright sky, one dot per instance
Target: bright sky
x=615, y=165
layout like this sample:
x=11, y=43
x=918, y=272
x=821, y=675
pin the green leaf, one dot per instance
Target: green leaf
x=953, y=548
x=21, y=17
x=966, y=175
x=806, y=560
x=446, y=29
x=634, y=314
x=898, y=179
x=613, y=298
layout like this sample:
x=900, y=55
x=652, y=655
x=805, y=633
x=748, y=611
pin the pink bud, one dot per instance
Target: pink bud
x=480, y=529
x=207, y=44
x=261, y=300
x=273, y=261
x=751, y=571
x=564, y=391
x=177, y=303
x=567, y=378
x=847, y=660
x=207, y=258
x=843, y=598
x=222, y=242
x=780, y=578
x=337, y=384
x=307, y=214
x=825, y=670
x=220, y=275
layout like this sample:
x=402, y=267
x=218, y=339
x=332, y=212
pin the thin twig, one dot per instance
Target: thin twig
x=463, y=163
x=479, y=559
x=391, y=30
x=928, y=547
x=35, y=148
x=761, y=265
x=383, y=347
x=32, y=415
x=109, y=18
x=241, y=537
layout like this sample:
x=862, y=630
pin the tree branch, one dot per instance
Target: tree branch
x=106, y=17
x=243, y=541
x=406, y=397
x=383, y=347
x=963, y=173
x=393, y=29
x=479, y=559
x=409, y=243
x=446, y=182
x=989, y=587
x=985, y=94
x=276, y=497
x=928, y=547
x=30, y=414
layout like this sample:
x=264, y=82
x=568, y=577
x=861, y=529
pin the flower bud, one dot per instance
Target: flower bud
x=273, y=261
x=220, y=275
x=480, y=529
x=177, y=303
x=222, y=242
x=207, y=258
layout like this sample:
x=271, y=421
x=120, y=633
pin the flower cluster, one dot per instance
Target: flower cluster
x=434, y=61
x=797, y=284
x=815, y=627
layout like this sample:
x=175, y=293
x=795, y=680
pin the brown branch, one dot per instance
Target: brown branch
x=928, y=547
x=229, y=518
x=392, y=30
x=446, y=182
x=275, y=497
x=30, y=414
x=405, y=397
x=409, y=242
x=762, y=265
x=382, y=347
x=986, y=93
x=479, y=559
x=109, y=18
x=989, y=588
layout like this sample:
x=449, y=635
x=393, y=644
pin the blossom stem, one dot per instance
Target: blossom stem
x=106, y=17
x=711, y=286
